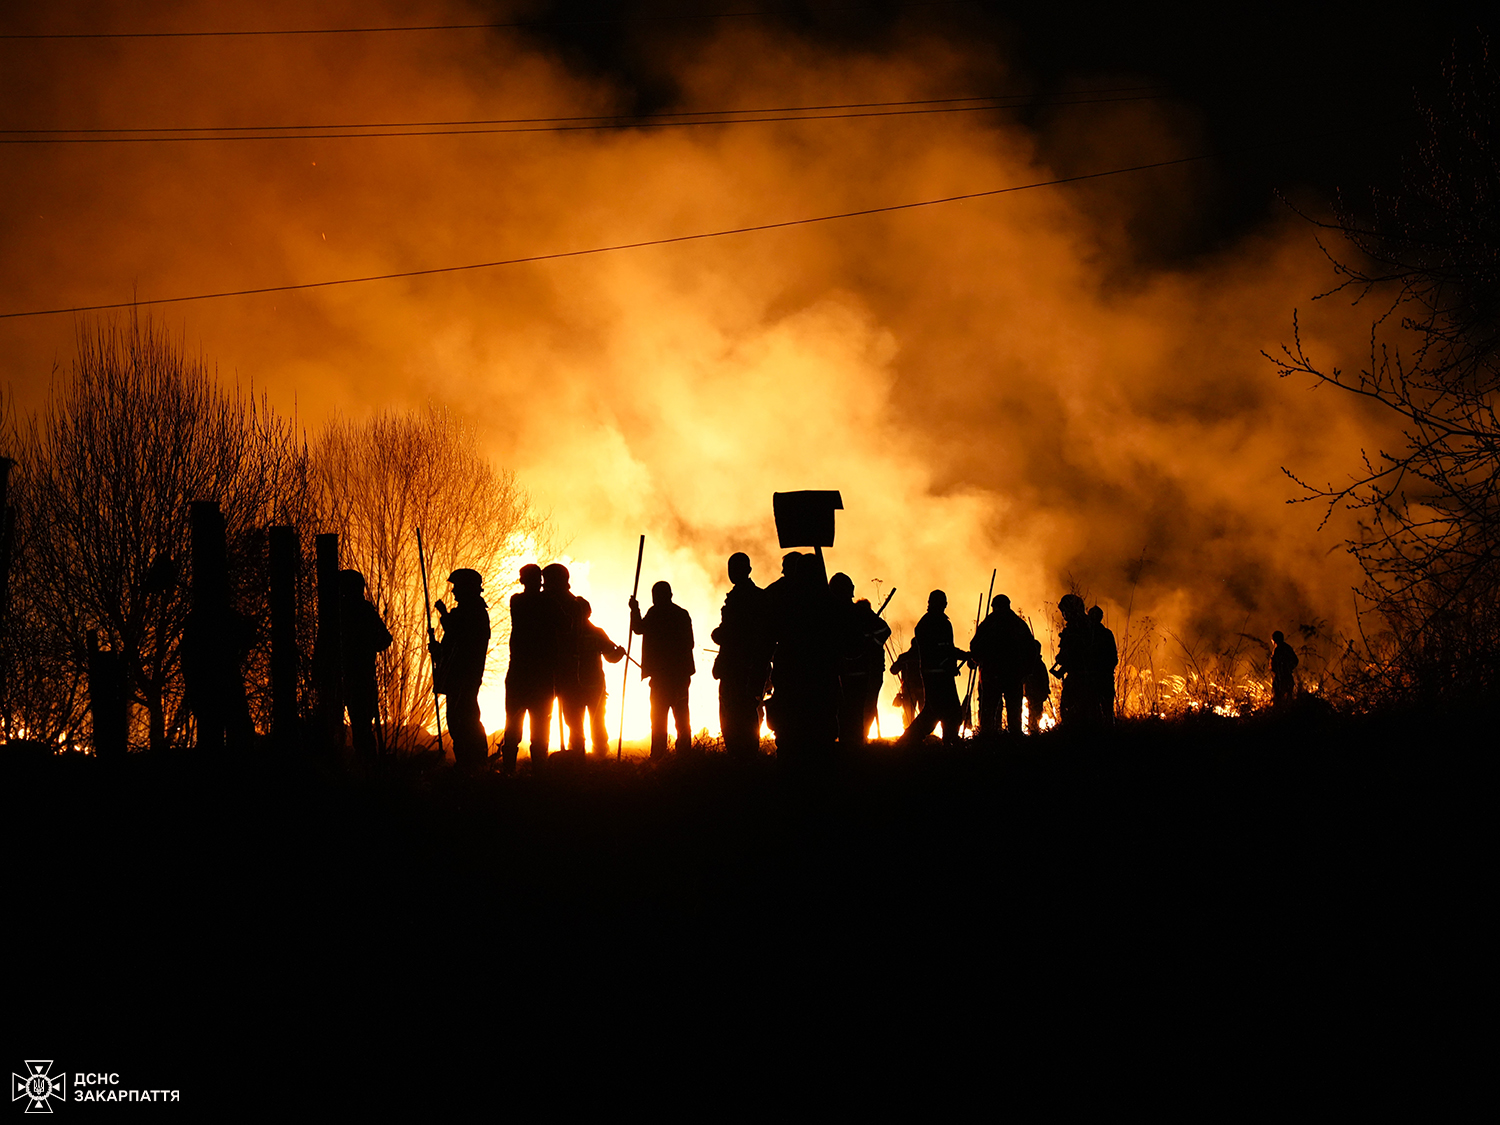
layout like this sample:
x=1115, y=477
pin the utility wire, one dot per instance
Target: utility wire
x=623, y=118
x=482, y=131
x=702, y=236
x=491, y=26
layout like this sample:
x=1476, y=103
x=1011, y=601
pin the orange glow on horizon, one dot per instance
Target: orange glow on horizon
x=995, y=386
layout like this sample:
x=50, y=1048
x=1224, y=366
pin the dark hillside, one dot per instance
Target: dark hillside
x=1273, y=885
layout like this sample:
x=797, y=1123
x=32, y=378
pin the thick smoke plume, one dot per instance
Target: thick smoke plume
x=994, y=384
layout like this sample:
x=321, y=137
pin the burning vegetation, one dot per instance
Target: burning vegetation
x=105, y=571
x=570, y=318
x=1011, y=382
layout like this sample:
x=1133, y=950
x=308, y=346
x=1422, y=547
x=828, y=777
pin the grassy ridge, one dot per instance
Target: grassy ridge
x=1204, y=868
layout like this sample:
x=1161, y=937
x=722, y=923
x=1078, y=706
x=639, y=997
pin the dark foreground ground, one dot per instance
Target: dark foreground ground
x=1232, y=905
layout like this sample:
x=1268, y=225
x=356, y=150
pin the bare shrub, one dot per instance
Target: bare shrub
x=133, y=433
x=1428, y=257
x=379, y=480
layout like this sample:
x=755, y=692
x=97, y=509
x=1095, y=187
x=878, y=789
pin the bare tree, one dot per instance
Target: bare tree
x=381, y=479
x=39, y=687
x=126, y=440
x=1429, y=510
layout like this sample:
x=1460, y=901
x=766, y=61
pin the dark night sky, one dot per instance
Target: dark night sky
x=1267, y=73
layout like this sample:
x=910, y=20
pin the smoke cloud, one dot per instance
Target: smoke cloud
x=995, y=384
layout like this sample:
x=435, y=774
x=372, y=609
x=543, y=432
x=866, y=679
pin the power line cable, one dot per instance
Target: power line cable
x=486, y=131
x=624, y=118
x=488, y=26
x=698, y=237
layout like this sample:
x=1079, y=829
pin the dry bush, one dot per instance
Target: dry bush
x=379, y=480
x=1428, y=257
x=133, y=433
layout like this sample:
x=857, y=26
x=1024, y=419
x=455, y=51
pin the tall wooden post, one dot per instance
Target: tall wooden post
x=327, y=658
x=209, y=656
x=285, y=557
x=107, y=703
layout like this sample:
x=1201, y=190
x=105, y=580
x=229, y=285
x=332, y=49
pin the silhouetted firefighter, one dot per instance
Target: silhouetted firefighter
x=939, y=660
x=744, y=661
x=1003, y=647
x=362, y=636
x=1038, y=687
x=876, y=632
x=1077, y=665
x=804, y=706
x=860, y=638
x=1106, y=659
x=803, y=710
x=594, y=648
x=216, y=639
x=458, y=664
x=528, y=679
x=1283, y=671
x=667, y=661
x=560, y=610
x=908, y=669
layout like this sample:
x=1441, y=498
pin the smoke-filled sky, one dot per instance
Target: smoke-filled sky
x=1054, y=383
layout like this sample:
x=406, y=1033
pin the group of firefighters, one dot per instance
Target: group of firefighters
x=802, y=654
